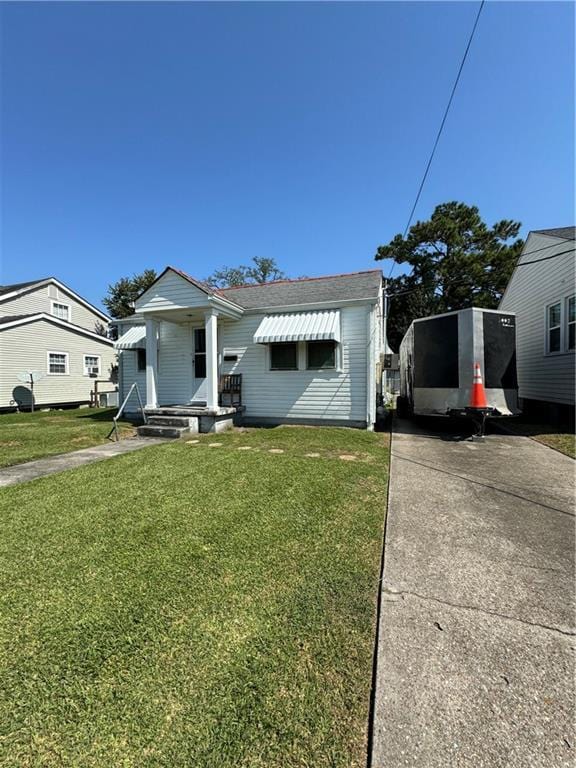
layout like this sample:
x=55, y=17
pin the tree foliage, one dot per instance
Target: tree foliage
x=456, y=262
x=122, y=294
x=100, y=329
x=262, y=270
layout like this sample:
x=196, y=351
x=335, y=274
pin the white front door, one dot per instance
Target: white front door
x=198, y=364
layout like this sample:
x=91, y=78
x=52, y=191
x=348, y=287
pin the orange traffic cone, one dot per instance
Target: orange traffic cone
x=478, y=394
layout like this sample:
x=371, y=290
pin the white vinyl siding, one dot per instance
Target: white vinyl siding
x=303, y=394
x=531, y=291
x=172, y=292
x=43, y=298
x=26, y=347
x=129, y=374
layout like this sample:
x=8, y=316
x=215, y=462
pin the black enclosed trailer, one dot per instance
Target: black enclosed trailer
x=437, y=358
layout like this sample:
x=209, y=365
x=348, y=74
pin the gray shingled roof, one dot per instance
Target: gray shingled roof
x=12, y=318
x=308, y=290
x=17, y=286
x=566, y=233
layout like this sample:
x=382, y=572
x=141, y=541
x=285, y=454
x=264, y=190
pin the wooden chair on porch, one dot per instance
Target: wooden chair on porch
x=230, y=390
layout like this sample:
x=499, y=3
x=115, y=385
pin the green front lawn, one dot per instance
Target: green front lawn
x=562, y=439
x=27, y=436
x=194, y=604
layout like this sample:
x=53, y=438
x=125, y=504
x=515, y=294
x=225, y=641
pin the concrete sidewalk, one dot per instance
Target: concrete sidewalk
x=476, y=638
x=21, y=473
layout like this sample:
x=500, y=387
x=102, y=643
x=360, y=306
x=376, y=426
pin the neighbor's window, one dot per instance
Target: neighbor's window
x=321, y=355
x=554, y=321
x=141, y=359
x=570, y=322
x=91, y=365
x=284, y=356
x=61, y=311
x=58, y=362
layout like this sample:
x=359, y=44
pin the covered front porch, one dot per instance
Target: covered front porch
x=182, y=361
x=182, y=322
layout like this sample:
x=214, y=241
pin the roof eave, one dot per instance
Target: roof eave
x=62, y=323
x=47, y=281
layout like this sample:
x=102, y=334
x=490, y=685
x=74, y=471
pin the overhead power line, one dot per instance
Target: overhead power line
x=439, y=134
x=544, y=258
x=467, y=280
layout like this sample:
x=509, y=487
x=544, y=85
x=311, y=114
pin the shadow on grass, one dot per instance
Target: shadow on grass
x=107, y=415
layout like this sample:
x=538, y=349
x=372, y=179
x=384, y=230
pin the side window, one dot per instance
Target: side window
x=554, y=327
x=58, y=363
x=284, y=356
x=62, y=311
x=320, y=355
x=141, y=359
x=91, y=365
x=570, y=322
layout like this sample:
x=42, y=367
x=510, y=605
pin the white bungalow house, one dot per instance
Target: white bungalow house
x=542, y=293
x=301, y=351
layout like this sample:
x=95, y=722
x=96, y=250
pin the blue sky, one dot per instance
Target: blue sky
x=137, y=135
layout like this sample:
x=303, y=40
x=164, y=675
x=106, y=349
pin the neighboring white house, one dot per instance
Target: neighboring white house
x=542, y=292
x=308, y=350
x=47, y=327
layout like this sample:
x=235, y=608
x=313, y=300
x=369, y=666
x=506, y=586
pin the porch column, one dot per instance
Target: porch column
x=211, y=325
x=151, y=363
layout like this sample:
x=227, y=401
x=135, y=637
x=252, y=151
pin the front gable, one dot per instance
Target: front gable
x=172, y=291
x=175, y=290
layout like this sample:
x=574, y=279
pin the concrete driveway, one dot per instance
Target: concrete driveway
x=476, y=640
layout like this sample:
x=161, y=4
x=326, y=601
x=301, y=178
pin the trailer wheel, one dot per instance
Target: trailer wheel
x=403, y=410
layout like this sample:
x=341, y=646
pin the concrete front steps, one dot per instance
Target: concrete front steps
x=168, y=426
x=177, y=421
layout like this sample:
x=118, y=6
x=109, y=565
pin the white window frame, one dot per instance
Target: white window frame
x=563, y=302
x=302, y=359
x=567, y=323
x=66, y=360
x=97, y=357
x=61, y=304
x=549, y=328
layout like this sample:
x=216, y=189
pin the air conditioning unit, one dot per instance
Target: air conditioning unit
x=93, y=372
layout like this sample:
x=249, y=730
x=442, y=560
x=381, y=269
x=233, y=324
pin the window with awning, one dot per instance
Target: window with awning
x=299, y=326
x=134, y=338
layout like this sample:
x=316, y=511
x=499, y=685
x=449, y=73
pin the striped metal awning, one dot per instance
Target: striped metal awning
x=299, y=326
x=134, y=338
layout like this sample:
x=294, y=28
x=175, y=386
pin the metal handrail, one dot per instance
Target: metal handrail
x=121, y=409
